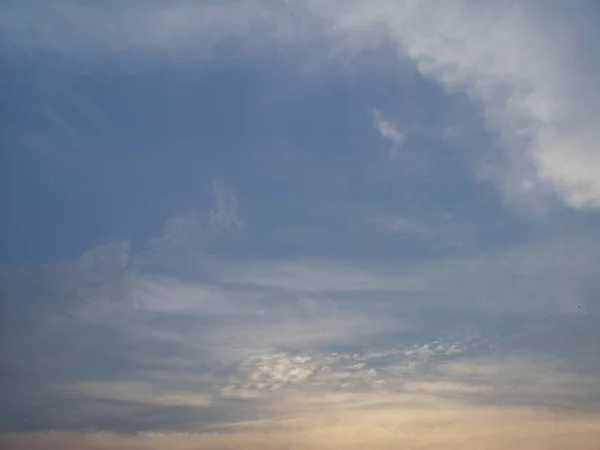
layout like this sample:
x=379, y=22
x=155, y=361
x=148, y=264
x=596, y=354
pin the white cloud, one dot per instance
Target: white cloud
x=515, y=67
x=313, y=371
x=390, y=132
x=310, y=372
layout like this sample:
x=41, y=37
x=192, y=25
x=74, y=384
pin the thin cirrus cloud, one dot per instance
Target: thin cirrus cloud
x=308, y=302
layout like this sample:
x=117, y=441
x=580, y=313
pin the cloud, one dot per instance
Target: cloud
x=297, y=275
x=140, y=393
x=390, y=132
x=182, y=230
x=548, y=277
x=505, y=56
x=193, y=229
x=193, y=341
x=180, y=353
x=167, y=295
x=353, y=422
x=384, y=397
x=510, y=63
x=225, y=215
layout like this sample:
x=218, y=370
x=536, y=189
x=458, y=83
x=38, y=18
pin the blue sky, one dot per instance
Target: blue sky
x=287, y=224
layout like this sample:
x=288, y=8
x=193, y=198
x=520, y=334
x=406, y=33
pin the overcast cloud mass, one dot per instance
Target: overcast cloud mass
x=321, y=224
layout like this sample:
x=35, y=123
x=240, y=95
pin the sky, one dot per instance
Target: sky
x=285, y=224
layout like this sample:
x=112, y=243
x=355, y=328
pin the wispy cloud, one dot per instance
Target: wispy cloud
x=390, y=132
x=225, y=215
x=136, y=392
x=193, y=228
